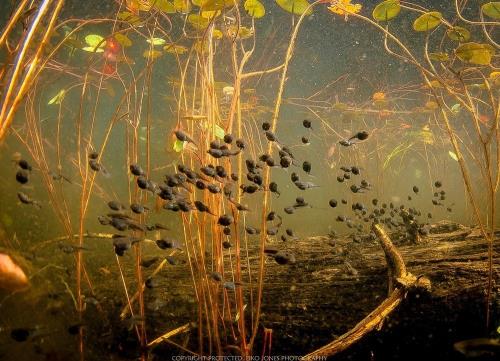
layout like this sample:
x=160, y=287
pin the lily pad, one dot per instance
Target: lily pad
x=156, y=41
x=123, y=40
x=297, y=7
x=175, y=49
x=94, y=41
x=211, y=5
x=386, y=10
x=458, y=33
x=152, y=54
x=129, y=18
x=439, y=56
x=164, y=5
x=427, y=21
x=491, y=9
x=198, y=21
x=182, y=6
x=255, y=8
x=475, y=53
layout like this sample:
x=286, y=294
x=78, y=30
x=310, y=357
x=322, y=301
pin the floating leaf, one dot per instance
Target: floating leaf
x=175, y=49
x=91, y=49
x=58, y=98
x=94, y=41
x=219, y=132
x=243, y=31
x=297, y=7
x=439, y=56
x=491, y=9
x=152, y=54
x=129, y=17
x=198, y=21
x=123, y=40
x=458, y=33
x=156, y=41
x=475, y=53
x=211, y=5
x=453, y=155
x=210, y=14
x=164, y=5
x=179, y=145
x=386, y=10
x=427, y=21
x=495, y=77
x=217, y=34
x=344, y=7
x=182, y=6
x=255, y=8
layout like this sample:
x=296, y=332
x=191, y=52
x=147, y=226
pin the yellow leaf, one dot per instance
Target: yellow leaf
x=217, y=34
x=492, y=9
x=475, y=53
x=210, y=14
x=129, y=18
x=255, y=8
x=58, y=98
x=427, y=21
x=123, y=40
x=164, y=5
x=458, y=33
x=211, y=5
x=198, y=21
x=182, y=6
x=152, y=54
x=439, y=56
x=386, y=10
x=175, y=49
x=344, y=7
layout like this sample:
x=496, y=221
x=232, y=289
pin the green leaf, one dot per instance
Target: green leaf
x=164, y=5
x=212, y=5
x=198, y=21
x=475, y=53
x=91, y=49
x=458, y=33
x=58, y=98
x=491, y=9
x=156, y=41
x=455, y=109
x=255, y=8
x=219, y=132
x=453, y=155
x=123, y=40
x=439, y=56
x=179, y=146
x=427, y=21
x=297, y=7
x=94, y=41
x=386, y=10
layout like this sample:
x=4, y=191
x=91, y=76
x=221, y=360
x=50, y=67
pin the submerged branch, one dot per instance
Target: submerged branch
x=405, y=280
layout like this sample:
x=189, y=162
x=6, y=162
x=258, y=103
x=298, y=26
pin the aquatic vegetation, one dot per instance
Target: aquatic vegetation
x=170, y=126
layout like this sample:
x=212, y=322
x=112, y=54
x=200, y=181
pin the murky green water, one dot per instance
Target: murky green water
x=99, y=106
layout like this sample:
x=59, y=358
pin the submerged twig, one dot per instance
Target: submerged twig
x=405, y=280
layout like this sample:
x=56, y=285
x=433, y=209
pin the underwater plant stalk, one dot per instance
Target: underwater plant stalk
x=274, y=120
